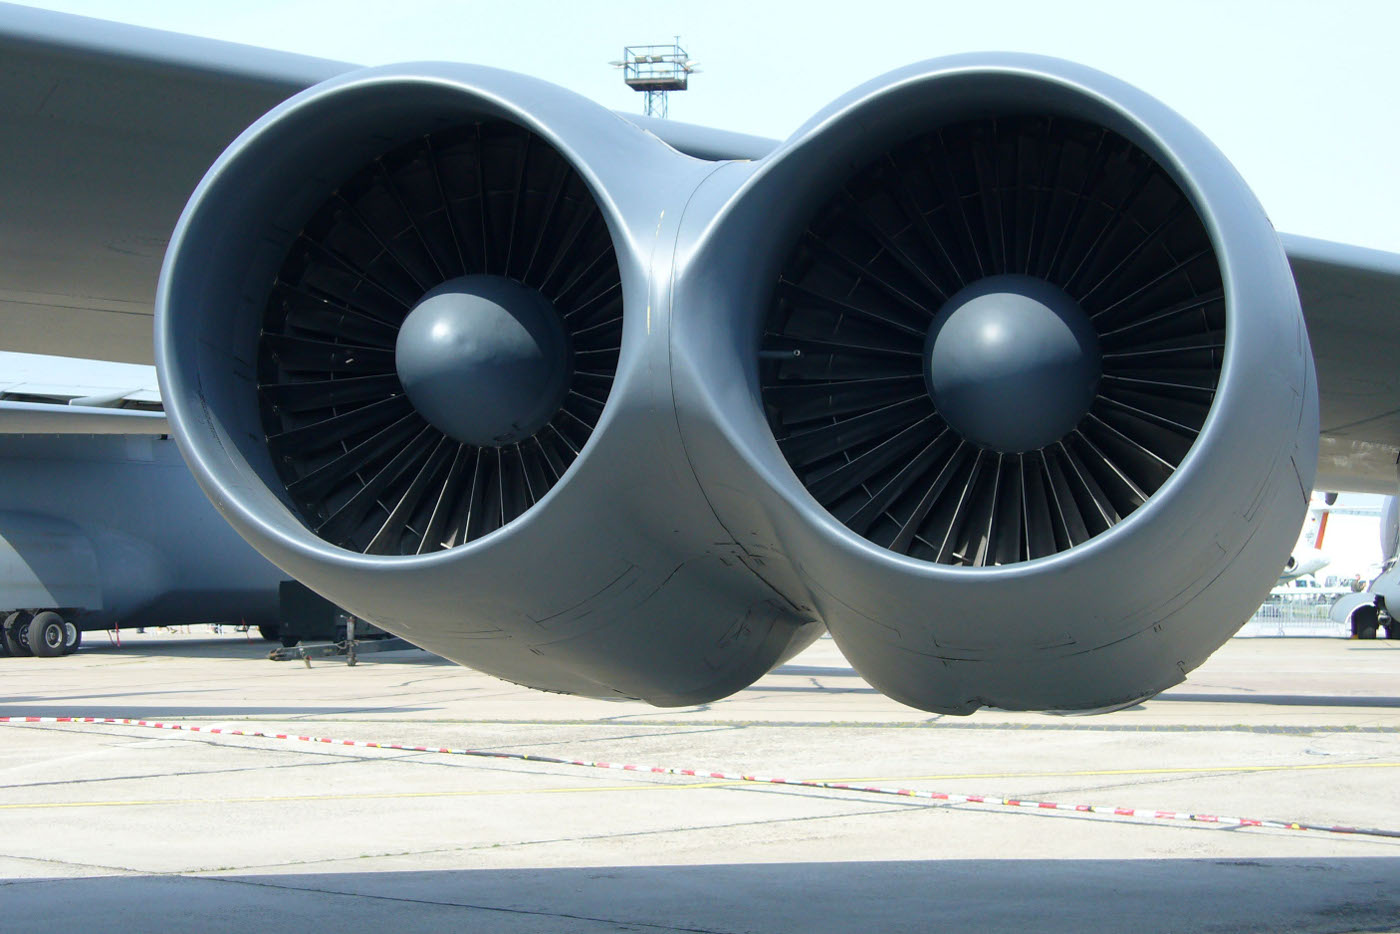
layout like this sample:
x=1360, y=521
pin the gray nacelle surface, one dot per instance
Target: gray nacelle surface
x=747, y=450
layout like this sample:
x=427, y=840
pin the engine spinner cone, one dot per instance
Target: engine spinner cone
x=485, y=359
x=1012, y=363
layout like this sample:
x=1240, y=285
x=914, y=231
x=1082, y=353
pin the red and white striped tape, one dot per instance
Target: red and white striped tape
x=951, y=798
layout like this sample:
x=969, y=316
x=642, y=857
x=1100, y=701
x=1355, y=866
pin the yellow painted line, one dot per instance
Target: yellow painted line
x=1099, y=772
x=281, y=799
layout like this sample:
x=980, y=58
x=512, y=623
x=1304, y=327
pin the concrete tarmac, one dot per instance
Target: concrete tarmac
x=126, y=829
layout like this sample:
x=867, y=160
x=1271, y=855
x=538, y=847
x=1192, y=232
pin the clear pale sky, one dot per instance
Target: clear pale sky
x=1301, y=96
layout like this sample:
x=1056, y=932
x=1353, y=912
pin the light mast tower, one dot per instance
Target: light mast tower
x=656, y=70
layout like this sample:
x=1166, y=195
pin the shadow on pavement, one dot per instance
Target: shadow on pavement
x=948, y=896
x=228, y=646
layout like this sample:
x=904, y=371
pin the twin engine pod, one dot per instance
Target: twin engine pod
x=995, y=369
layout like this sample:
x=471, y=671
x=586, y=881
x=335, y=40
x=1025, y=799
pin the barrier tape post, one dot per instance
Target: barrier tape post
x=947, y=797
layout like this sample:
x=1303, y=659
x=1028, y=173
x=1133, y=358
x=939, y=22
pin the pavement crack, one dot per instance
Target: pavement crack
x=160, y=775
x=893, y=807
x=49, y=861
x=659, y=734
x=528, y=912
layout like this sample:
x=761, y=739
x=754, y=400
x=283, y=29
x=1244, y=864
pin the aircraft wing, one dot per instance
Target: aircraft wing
x=105, y=129
x=50, y=395
x=1351, y=300
x=46, y=418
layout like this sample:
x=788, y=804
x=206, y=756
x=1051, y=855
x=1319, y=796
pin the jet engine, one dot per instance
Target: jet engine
x=1003, y=365
x=415, y=346
x=995, y=368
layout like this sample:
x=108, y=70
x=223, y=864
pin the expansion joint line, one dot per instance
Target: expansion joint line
x=940, y=796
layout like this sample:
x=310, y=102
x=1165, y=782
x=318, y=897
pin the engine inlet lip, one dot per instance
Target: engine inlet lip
x=580, y=131
x=1244, y=244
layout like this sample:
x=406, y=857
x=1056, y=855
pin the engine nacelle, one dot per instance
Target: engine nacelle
x=998, y=365
x=406, y=339
x=1303, y=561
x=996, y=368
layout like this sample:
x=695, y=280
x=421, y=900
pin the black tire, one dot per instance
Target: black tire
x=73, y=637
x=288, y=641
x=47, y=634
x=1364, y=621
x=15, y=632
x=271, y=632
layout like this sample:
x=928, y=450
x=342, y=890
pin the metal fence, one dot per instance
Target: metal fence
x=1295, y=618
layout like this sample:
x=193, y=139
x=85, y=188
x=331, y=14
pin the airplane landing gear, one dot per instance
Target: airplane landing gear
x=1364, y=622
x=47, y=634
x=44, y=633
x=16, y=633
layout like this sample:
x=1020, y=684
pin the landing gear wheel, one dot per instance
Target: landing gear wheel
x=16, y=632
x=47, y=634
x=270, y=632
x=72, y=637
x=1364, y=622
x=288, y=641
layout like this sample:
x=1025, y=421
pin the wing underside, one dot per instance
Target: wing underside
x=106, y=129
x=45, y=418
x=1351, y=300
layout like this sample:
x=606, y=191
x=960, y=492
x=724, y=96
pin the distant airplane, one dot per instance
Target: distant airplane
x=1367, y=613
x=101, y=523
x=1308, y=556
x=1303, y=561
x=995, y=369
